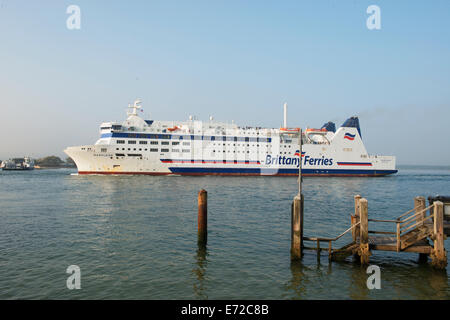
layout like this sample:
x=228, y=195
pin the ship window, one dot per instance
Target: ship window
x=153, y=150
x=153, y=142
x=175, y=150
x=175, y=143
x=131, y=141
x=142, y=142
x=164, y=142
x=186, y=143
x=164, y=150
x=186, y=150
x=120, y=141
x=104, y=150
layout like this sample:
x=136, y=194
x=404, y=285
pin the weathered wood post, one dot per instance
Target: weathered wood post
x=438, y=255
x=355, y=219
x=202, y=217
x=297, y=228
x=364, y=252
x=419, y=204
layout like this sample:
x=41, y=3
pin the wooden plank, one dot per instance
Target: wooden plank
x=382, y=232
x=419, y=205
x=416, y=249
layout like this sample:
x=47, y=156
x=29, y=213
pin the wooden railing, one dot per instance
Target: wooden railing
x=406, y=222
x=402, y=238
x=329, y=240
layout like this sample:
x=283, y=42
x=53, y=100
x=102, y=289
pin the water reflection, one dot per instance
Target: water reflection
x=438, y=281
x=200, y=269
x=357, y=286
x=297, y=286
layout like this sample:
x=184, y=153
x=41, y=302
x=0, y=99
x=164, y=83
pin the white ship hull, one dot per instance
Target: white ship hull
x=209, y=148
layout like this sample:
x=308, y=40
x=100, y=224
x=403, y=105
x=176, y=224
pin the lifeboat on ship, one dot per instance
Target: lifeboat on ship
x=173, y=128
x=312, y=130
x=290, y=130
x=317, y=135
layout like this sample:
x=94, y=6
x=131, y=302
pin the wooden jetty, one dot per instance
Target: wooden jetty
x=421, y=230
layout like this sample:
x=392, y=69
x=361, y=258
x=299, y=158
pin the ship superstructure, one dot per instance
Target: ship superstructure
x=194, y=147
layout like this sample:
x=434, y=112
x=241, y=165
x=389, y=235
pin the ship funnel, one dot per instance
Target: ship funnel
x=285, y=116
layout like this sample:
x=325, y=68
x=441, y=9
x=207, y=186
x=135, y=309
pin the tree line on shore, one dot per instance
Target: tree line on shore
x=54, y=162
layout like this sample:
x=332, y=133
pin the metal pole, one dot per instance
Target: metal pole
x=300, y=163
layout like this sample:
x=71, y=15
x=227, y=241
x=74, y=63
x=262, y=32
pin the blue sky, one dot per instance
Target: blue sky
x=235, y=60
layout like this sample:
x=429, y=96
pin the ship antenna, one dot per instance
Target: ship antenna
x=285, y=115
x=135, y=107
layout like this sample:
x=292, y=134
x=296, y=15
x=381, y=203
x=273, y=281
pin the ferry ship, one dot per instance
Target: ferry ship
x=193, y=147
x=25, y=163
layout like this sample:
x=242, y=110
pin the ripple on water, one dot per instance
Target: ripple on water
x=134, y=237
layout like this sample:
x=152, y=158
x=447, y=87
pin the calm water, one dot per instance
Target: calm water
x=135, y=237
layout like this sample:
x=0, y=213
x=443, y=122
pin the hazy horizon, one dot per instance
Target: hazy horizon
x=232, y=60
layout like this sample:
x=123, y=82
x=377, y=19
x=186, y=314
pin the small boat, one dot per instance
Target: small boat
x=18, y=164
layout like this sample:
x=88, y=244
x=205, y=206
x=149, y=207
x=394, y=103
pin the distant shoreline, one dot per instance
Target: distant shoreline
x=54, y=167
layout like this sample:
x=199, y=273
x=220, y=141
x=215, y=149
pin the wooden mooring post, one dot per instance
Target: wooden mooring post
x=355, y=219
x=297, y=227
x=414, y=228
x=202, y=217
x=364, y=252
x=438, y=255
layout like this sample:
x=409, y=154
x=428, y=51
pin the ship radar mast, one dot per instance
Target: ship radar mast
x=134, y=107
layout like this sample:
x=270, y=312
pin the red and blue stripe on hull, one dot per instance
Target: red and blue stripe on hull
x=195, y=171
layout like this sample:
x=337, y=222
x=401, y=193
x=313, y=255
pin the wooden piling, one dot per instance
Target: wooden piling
x=438, y=255
x=419, y=204
x=364, y=251
x=355, y=219
x=297, y=228
x=202, y=217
